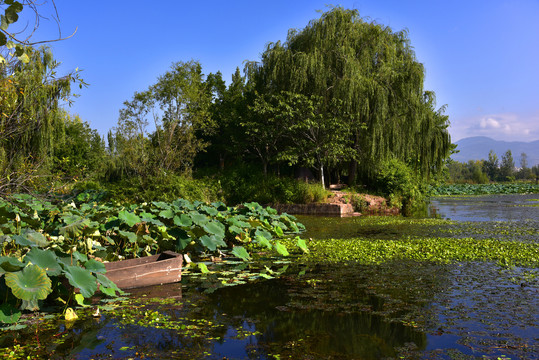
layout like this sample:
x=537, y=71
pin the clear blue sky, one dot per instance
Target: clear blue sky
x=481, y=57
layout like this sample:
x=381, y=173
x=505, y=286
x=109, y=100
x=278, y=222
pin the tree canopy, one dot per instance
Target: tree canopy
x=365, y=76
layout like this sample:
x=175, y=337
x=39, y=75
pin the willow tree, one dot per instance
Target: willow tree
x=30, y=114
x=366, y=76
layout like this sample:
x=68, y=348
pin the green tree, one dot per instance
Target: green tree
x=184, y=102
x=491, y=166
x=129, y=142
x=30, y=116
x=179, y=104
x=79, y=150
x=368, y=76
x=507, y=167
x=524, y=172
x=308, y=136
x=228, y=108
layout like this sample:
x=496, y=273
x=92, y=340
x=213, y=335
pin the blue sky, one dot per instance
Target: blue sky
x=481, y=57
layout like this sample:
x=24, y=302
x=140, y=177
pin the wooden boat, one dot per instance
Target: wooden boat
x=163, y=268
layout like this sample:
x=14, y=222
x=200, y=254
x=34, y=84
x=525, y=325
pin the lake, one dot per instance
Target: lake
x=400, y=309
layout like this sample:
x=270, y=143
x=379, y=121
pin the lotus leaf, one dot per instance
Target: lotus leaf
x=31, y=284
x=95, y=266
x=10, y=264
x=215, y=228
x=45, y=259
x=31, y=238
x=183, y=220
x=9, y=314
x=209, y=210
x=263, y=241
x=240, y=252
x=281, y=249
x=264, y=233
x=183, y=239
x=131, y=236
x=82, y=279
x=128, y=218
x=212, y=242
x=198, y=219
x=167, y=214
x=74, y=229
x=302, y=245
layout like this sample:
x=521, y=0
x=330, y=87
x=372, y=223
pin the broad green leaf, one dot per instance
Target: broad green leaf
x=131, y=236
x=263, y=241
x=240, y=252
x=108, y=284
x=146, y=216
x=281, y=249
x=82, y=279
x=234, y=229
x=211, y=242
x=45, y=259
x=74, y=229
x=9, y=314
x=80, y=257
x=279, y=231
x=80, y=300
x=167, y=214
x=160, y=205
x=95, y=266
x=31, y=283
x=215, y=228
x=10, y=264
x=182, y=238
x=209, y=210
x=264, y=233
x=128, y=218
x=183, y=220
x=203, y=268
x=302, y=245
x=198, y=219
x=239, y=223
x=31, y=238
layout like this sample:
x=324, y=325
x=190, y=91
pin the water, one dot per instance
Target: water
x=486, y=207
x=404, y=309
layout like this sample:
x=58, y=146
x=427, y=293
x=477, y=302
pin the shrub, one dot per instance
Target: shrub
x=397, y=181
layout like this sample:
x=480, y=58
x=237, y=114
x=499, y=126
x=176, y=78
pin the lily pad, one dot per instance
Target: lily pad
x=31, y=283
x=9, y=314
x=81, y=279
x=45, y=259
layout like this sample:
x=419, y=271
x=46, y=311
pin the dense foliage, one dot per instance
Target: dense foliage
x=341, y=100
x=492, y=170
x=485, y=189
x=43, y=242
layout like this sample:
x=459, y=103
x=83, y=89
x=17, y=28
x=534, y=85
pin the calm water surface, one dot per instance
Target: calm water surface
x=399, y=310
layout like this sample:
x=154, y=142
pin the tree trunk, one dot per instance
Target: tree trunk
x=322, y=175
x=352, y=171
x=221, y=161
x=352, y=167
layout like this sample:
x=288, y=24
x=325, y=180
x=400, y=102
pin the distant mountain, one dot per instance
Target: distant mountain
x=478, y=147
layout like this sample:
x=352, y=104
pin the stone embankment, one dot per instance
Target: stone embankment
x=340, y=204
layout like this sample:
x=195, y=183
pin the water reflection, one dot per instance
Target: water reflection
x=292, y=320
x=486, y=207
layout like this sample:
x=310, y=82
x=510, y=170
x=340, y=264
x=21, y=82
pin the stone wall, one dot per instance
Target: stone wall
x=314, y=209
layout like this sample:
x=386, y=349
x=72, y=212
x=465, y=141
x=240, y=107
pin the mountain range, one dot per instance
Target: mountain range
x=478, y=147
